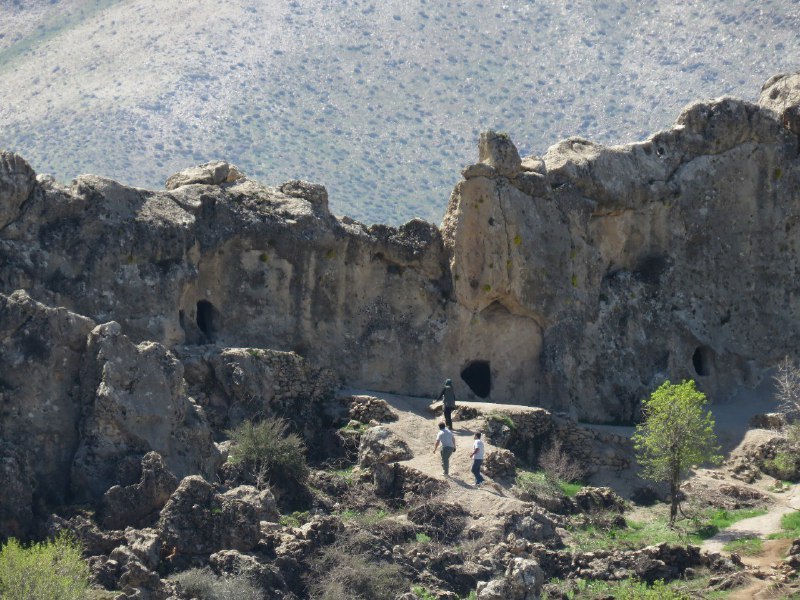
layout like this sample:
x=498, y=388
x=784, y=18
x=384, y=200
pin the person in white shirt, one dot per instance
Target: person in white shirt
x=477, y=458
x=447, y=440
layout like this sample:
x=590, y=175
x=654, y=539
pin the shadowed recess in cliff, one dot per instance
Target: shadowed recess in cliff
x=206, y=317
x=478, y=376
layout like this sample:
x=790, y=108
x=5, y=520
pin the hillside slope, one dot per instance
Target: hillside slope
x=381, y=102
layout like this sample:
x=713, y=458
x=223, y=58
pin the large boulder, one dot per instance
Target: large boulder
x=238, y=384
x=522, y=580
x=199, y=521
x=134, y=403
x=782, y=94
x=380, y=445
x=212, y=173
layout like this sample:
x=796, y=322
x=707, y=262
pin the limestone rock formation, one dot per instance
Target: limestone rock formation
x=237, y=384
x=198, y=521
x=213, y=173
x=576, y=281
x=41, y=355
x=133, y=404
x=138, y=505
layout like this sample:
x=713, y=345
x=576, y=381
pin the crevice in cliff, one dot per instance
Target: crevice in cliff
x=206, y=319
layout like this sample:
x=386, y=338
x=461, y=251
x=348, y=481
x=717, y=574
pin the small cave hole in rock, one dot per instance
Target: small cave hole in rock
x=478, y=377
x=701, y=360
x=205, y=318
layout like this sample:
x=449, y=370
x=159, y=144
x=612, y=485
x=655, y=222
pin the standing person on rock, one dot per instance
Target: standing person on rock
x=477, y=458
x=447, y=440
x=448, y=398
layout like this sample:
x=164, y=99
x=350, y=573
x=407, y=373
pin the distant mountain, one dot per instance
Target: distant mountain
x=380, y=100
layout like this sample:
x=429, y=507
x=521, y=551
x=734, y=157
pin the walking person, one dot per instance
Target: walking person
x=477, y=458
x=448, y=398
x=447, y=440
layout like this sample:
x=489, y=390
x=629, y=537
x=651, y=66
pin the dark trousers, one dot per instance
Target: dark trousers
x=448, y=419
x=476, y=470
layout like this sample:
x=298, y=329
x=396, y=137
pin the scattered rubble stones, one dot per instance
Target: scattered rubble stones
x=380, y=445
x=94, y=540
x=366, y=409
x=500, y=463
x=197, y=520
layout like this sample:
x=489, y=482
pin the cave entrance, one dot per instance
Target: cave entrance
x=701, y=360
x=206, y=318
x=478, y=377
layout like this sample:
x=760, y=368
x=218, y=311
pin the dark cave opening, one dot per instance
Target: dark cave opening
x=478, y=377
x=205, y=318
x=701, y=360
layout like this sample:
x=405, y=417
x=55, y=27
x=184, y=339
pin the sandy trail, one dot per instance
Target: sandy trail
x=760, y=526
x=418, y=427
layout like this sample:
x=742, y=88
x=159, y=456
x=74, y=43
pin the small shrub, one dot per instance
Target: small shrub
x=783, y=466
x=423, y=538
x=268, y=451
x=421, y=593
x=52, y=570
x=560, y=466
x=202, y=583
x=340, y=574
x=536, y=484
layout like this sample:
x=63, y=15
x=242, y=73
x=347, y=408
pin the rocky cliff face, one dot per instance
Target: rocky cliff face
x=576, y=281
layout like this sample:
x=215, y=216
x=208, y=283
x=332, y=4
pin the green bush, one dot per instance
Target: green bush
x=267, y=451
x=784, y=466
x=202, y=583
x=52, y=570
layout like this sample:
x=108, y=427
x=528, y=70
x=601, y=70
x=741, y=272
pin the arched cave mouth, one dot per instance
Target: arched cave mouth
x=701, y=361
x=478, y=376
x=206, y=318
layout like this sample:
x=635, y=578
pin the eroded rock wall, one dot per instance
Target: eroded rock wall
x=577, y=281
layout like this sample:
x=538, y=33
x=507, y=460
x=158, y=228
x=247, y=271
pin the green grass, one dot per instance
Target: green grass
x=502, y=418
x=656, y=530
x=790, y=523
x=633, y=589
x=537, y=482
x=750, y=546
x=570, y=489
x=720, y=519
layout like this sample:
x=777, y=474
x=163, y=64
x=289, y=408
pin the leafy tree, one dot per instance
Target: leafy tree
x=675, y=435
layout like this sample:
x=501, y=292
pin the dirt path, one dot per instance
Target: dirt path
x=418, y=427
x=760, y=526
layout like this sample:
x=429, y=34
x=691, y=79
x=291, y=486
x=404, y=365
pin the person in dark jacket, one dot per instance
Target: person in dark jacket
x=448, y=398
